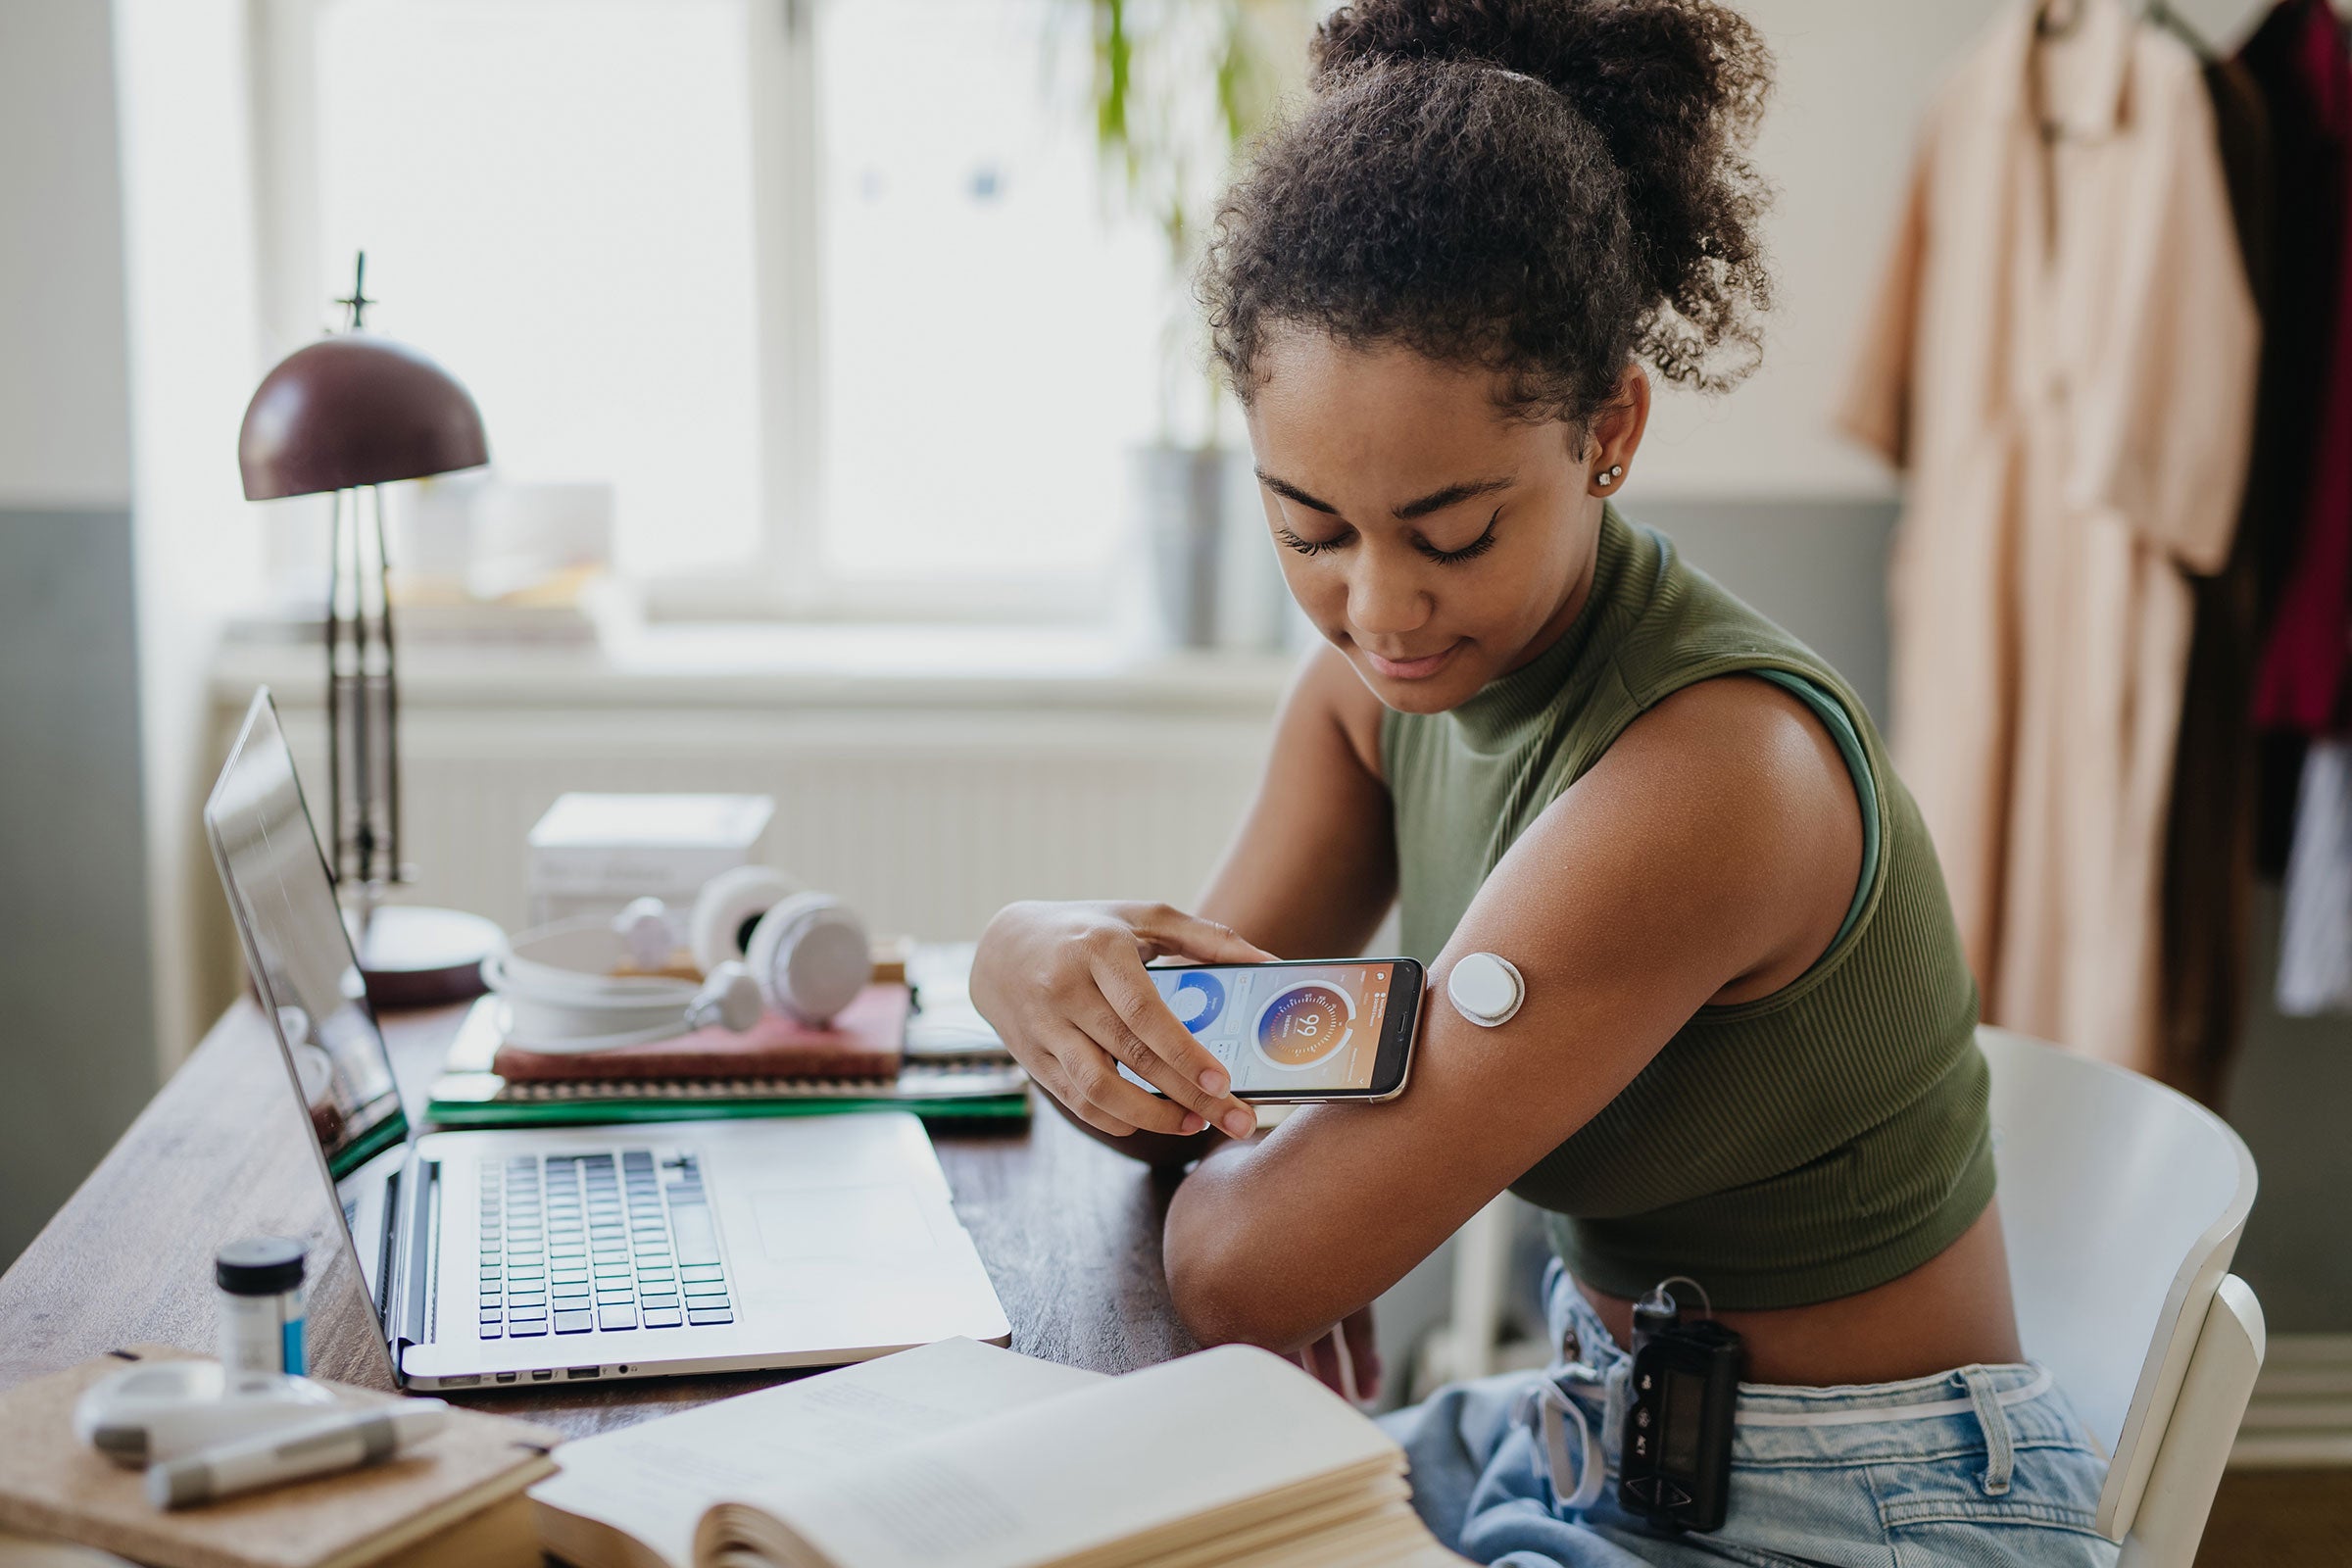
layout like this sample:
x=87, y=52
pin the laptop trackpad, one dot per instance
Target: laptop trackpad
x=858, y=1224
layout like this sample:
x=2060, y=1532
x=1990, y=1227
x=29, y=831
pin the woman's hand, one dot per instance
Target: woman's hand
x=1345, y=1359
x=1063, y=985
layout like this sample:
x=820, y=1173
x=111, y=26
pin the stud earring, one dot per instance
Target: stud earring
x=1608, y=475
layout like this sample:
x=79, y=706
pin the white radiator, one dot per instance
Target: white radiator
x=927, y=820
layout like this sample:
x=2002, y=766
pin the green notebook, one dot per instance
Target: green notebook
x=467, y=1094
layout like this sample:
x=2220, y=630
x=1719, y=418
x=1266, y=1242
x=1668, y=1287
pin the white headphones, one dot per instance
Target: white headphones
x=756, y=936
x=809, y=952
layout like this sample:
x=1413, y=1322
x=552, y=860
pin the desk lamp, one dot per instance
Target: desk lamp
x=348, y=414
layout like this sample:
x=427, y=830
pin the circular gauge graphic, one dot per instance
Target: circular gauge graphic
x=1302, y=1024
x=1198, y=1000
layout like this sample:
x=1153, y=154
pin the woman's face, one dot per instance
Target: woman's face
x=1433, y=538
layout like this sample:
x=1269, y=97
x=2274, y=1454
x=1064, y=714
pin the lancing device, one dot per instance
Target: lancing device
x=343, y=1441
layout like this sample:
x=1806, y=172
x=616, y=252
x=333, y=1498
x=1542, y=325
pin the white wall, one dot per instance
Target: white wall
x=1855, y=78
x=196, y=356
x=64, y=438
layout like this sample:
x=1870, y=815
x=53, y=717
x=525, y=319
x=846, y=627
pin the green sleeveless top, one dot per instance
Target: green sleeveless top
x=1799, y=1146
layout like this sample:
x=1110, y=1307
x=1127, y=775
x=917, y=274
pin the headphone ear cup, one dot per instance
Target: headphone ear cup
x=727, y=907
x=812, y=956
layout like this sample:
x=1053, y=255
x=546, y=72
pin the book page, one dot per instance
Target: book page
x=653, y=1481
x=1167, y=1448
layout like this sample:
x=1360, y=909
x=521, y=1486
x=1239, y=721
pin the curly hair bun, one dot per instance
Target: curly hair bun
x=1427, y=192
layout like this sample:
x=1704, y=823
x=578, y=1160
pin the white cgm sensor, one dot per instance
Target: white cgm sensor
x=1486, y=989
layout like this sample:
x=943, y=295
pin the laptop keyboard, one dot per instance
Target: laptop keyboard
x=575, y=1243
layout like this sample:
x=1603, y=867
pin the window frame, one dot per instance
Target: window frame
x=785, y=579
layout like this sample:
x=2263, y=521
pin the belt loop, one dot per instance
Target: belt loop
x=1999, y=1454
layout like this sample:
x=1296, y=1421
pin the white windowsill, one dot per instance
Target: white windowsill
x=770, y=665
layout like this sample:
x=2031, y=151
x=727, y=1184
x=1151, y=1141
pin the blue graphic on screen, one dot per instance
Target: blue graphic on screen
x=1198, y=999
x=1293, y=1028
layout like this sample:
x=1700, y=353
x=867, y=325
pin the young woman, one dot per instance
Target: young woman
x=1745, y=1056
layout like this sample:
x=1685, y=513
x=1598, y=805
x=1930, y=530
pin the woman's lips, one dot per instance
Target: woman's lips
x=1412, y=668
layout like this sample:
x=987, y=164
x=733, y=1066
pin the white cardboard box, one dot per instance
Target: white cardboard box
x=592, y=853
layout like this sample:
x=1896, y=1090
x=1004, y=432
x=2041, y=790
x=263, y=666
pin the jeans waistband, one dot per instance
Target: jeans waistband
x=1996, y=1408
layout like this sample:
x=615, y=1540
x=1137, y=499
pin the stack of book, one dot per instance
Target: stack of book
x=960, y=1455
x=915, y=1046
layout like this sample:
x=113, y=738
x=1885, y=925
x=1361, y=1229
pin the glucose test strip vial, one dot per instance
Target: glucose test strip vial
x=263, y=1303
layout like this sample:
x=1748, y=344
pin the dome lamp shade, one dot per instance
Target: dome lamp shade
x=351, y=410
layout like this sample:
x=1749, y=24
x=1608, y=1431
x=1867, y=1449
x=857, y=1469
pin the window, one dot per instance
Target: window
x=989, y=345
x=826, y=290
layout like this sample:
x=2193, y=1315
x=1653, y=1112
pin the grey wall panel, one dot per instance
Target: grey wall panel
x=1817, y=568
x=2289, y=1098
x=76, y=1031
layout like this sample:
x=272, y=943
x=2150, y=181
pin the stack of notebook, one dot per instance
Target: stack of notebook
x=917, y=1046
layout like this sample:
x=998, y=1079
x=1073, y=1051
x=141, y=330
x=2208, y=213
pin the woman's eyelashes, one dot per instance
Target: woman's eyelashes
x=1469, y=552
x=1311, y=547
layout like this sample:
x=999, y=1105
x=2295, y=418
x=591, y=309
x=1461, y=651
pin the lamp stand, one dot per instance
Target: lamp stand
x=410, y=956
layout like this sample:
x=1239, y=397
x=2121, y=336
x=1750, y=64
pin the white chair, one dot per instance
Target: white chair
x=2122, y=1202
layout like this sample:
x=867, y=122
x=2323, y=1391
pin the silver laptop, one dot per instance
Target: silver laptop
x=568, y=1253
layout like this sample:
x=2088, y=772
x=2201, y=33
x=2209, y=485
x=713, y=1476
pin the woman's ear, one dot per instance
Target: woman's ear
x=1616, y=434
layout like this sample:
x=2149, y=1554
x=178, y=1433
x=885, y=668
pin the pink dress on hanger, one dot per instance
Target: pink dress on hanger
x=2062, y=359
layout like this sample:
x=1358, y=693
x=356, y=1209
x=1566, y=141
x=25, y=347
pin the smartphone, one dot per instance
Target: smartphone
x=1310, y=1030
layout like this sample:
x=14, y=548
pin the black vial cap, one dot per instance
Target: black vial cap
x=259, y=1265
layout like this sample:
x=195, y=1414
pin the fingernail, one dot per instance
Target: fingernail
x=1191, y=1124
x=1238, y=1123
x=1213, y=1081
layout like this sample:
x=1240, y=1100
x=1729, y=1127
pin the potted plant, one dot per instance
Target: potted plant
x=1179, y=89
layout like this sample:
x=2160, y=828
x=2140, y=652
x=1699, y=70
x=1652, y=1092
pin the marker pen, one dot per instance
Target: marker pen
x=342, y=1442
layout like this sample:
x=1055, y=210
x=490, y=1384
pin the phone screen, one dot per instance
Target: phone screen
x=1285, y=1028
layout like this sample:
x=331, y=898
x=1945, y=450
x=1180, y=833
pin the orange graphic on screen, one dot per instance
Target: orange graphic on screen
x=1303, y=1024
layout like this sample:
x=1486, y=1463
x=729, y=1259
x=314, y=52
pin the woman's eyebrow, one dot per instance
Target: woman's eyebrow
x=1434, y=500
x=1439, y=500
x=1290, y=491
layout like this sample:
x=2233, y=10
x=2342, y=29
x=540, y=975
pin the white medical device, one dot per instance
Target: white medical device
x=759, y=937
x=1486, y=988
x=167, y=1409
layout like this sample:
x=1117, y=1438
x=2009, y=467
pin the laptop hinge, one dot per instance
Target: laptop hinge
x=419, y=1222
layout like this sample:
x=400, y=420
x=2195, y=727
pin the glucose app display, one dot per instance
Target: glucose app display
x=1295, y=1028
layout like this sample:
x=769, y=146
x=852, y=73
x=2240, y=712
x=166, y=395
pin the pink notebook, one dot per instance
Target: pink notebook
x=864, y=1042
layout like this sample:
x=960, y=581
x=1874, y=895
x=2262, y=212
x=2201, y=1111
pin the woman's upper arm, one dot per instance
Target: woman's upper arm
x=1313, y=867
x=1703, y=846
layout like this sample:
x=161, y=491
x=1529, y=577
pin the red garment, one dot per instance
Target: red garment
x=2308, y=655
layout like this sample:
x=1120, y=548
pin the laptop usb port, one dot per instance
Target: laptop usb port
x=583, y=1372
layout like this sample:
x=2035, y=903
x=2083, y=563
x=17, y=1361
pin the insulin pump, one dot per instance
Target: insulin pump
x=1682, y=1393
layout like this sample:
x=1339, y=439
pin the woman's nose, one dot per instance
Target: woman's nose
x=1384, y=601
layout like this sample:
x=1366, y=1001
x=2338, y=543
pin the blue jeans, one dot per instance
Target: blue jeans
x=1988, y=1466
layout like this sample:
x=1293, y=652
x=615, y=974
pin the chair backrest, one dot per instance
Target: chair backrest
x=2121, y=1203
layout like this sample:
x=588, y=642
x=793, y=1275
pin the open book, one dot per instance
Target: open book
x=961, y=1455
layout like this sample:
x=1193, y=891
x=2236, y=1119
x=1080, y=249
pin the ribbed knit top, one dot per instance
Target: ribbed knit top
x=1803, y=1145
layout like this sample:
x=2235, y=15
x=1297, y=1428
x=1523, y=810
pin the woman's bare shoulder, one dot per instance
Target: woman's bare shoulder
x=1329, y=691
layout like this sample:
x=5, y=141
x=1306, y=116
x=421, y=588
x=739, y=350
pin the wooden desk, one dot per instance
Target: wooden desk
x=1070, y=1232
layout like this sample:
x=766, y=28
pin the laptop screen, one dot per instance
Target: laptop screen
x=300, y=955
